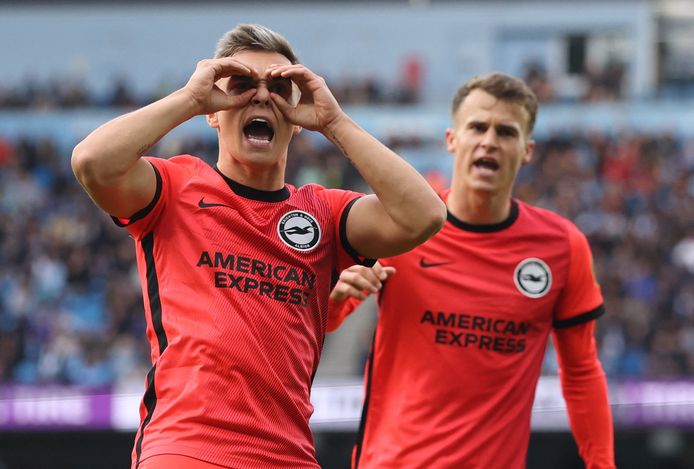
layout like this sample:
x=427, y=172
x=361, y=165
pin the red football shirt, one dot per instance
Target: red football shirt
x=462, y=330
x=235, y=285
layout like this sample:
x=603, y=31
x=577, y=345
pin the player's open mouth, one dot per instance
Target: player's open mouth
x=488, y=164
x=259, y=131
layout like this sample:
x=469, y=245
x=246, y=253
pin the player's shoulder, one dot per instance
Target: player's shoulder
x=182, y=166
x=305, y=194
x=324, y=193
x=545, y=219
x=188, y=162
x=310, y=188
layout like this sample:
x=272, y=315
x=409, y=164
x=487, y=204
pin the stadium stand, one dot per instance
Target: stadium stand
x=616, y=156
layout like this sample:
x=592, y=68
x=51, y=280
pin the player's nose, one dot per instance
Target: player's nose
x=262, y=95
x=490, y=138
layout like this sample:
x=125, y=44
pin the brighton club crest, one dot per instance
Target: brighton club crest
x=533, y=277
x=299, y=230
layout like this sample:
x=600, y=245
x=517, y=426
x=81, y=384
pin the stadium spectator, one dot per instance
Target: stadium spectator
x=598, y=84
x=535, y=75
x=235, y=264
x=58, y=219
x=464, y=318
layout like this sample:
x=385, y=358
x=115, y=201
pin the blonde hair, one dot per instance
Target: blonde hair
x=254, y=37
x=503, y=87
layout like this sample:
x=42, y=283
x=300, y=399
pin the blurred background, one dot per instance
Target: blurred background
x=615, y=154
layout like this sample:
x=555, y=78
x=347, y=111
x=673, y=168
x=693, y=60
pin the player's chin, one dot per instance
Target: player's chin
x=486, y=187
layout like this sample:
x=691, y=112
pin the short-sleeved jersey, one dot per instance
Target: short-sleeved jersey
x=235, y=285
x=462, y=330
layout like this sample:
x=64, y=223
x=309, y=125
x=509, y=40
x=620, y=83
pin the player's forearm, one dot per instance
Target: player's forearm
x=585, y=390
x=110, y=151
x=591, y=420
x=406, y=196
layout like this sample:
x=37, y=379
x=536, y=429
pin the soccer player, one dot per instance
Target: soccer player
x=236, y=265
x=464, y=318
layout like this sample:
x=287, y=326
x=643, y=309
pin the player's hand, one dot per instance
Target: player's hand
x=317, y=107
x=359, y=281
x=203, y=89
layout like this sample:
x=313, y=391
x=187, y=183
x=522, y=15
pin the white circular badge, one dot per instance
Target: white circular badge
x=299, y=230
x=533, y=277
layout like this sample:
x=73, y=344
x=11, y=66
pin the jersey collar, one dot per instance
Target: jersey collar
x=502, y=225
x=255, y=194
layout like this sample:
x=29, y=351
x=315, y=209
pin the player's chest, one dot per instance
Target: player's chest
x=482, y=276
x=215, y=227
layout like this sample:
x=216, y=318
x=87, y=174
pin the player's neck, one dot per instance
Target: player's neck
x=260, y=177
x=477, y=207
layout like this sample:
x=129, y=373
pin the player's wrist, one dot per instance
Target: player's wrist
x=187, y=102
x=337, y=127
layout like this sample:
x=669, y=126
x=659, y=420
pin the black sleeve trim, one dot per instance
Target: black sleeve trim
x=345, y=243
x=580, y=319
x=359, y=445
x=140, y=214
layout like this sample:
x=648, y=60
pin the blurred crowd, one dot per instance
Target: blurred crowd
x=595, y=84
x=632, y=194
x=67, y=92
x=74, y=92
x=71, y=306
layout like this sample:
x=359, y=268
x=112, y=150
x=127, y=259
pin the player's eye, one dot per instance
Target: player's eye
x=282, y=88
x=506, y=131
x=478, y=127
x=238, y=87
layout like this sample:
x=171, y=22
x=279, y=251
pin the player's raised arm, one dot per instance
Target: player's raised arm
x=404, y=211
x=108, y=161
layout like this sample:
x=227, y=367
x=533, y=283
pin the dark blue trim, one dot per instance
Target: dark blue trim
x=150, y=402
x=140, y=214
x=580, y=319
x=150, y=398
x=365, y=408
x=345, y=242
x=147, y=244
x=247, y=192
x=494, y=227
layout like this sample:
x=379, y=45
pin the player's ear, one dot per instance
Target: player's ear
x=212, y=120
x=450, y=140
x=296, y=130
x=529, y=149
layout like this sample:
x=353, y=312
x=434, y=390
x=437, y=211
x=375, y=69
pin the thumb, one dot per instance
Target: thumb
x=337, y=296
x=231, y=101
x=282, y=104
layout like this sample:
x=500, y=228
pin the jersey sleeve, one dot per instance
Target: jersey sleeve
x=144, y=220
x=339, y=310
x=585, y=391
x=341, y=202
x=581, y=299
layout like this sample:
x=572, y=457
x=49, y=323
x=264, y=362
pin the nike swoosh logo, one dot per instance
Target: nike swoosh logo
x=203, y=204
x=425, y=265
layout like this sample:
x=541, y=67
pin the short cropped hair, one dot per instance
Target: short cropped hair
x=503, y=87
x=254, y=37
